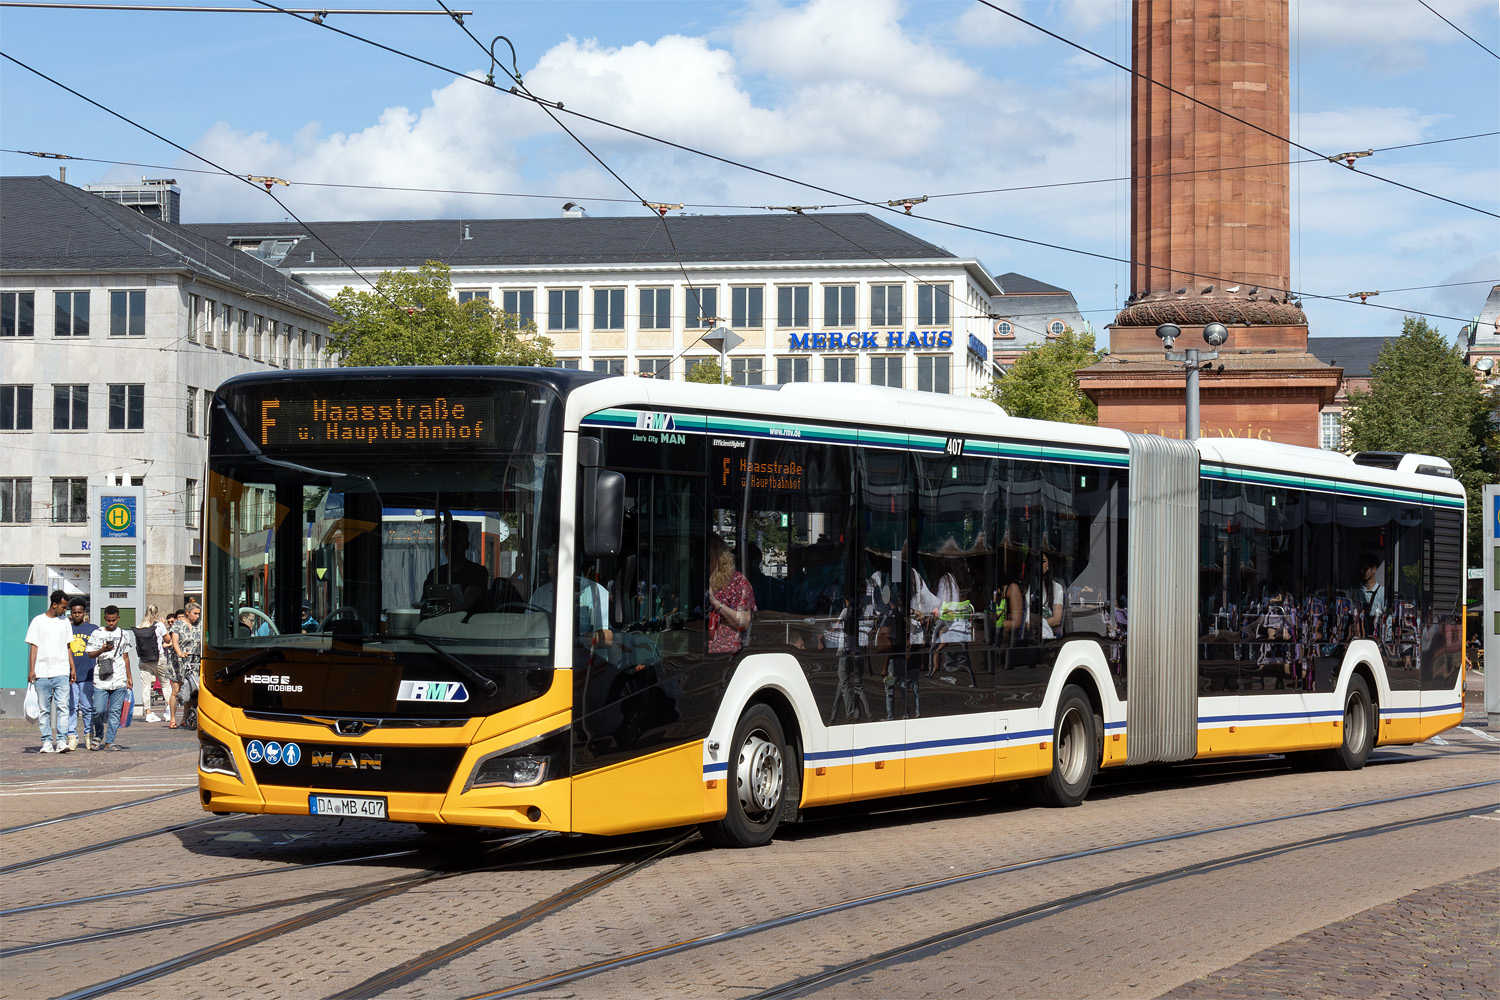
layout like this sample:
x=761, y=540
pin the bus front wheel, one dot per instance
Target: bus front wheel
x=757, y=780
x=1075, y=752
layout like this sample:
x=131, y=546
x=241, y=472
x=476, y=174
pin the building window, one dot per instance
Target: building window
x=610, y=366
x=244, y=333
x=470, y=294
x=567, y=364
x=208, y=399
x=791, y=370
x=1331, y=427
x=257, y=343
x=838, y=369
x=1056, y=328
x=792, y=305
x=934, y=305
x=17, y=314
x=70, y=501
x=190, y=504
x=562, y=309
x=609, y=309
x=747, y=307
x=15, y=501
x=885, y=305
x=1004, y=329
x=747, y=371
x=702, y=305
x=127, y=314
x=15, y=407
x=192, y=410
x=195, y=305
x=70, y=407
x=933, y=373
x=221, y=324
x=288, y=337
x=520, y=303
x=656, y=367
x=127, y=407
x=656, y=308
x=838, y=305
x=886, y=371
x=72, y=316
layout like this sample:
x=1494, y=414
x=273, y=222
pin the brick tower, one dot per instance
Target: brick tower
x=1210, y=229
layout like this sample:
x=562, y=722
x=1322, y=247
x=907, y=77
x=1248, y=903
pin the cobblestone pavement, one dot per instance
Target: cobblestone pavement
x=1441, y=943
x=1303, y=891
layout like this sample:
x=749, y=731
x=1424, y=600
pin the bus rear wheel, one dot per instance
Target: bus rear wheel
x=757, y=780
x=1359, y=729
x=1075, y=752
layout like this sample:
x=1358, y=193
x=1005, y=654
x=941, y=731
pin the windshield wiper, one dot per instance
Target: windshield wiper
x=489, y=686
x=243, y=665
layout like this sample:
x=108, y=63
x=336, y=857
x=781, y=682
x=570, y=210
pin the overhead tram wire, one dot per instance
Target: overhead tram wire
x=527, y=96
x=181, y=148
x=1461, y=31
x=1188, y=97
x=1168, y=175
x=817, y=187
x=160, y=9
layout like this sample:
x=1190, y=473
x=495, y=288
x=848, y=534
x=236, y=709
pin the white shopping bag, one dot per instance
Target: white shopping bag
x=33, y=705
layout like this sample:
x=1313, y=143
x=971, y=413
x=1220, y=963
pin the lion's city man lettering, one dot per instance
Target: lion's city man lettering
x=422, y=422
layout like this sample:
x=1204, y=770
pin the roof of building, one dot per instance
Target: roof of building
x=1487, y=331
x=1012, y=283
x=50, y=226
x=1353, y=354
x=572, y=241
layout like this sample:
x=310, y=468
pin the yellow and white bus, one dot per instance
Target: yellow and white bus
x=548, y=600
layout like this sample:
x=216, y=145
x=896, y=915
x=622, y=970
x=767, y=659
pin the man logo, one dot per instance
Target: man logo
x=345, y=759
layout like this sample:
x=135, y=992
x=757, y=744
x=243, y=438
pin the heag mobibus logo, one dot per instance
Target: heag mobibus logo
x=274, y=682
x=449, y=691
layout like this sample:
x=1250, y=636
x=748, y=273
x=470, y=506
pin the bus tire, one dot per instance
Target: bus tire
x=1359, y=729
x=1075, y=752
x=757, y=780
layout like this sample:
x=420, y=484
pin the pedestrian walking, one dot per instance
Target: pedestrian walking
x=112, y=649
x=50, y=668
x=186, y=640
x=81, y=691
x=150, y=654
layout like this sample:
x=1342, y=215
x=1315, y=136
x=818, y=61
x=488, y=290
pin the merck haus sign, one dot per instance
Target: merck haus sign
x=895, y=340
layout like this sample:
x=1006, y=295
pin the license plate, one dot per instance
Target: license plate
x=346, y=805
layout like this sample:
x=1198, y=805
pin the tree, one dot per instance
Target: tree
x=706, y=370
x=412, y=318
x=1043, y=383
x=1423, y=398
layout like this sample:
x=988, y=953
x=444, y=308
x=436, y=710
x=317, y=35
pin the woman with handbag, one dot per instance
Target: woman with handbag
x=731, y=601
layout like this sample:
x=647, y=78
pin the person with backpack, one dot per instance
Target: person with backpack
x=148, y=642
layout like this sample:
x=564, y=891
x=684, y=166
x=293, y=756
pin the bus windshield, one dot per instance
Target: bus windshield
x=421, y=560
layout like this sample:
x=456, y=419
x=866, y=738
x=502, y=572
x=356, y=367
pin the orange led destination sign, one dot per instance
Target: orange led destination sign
x=415, y=422
x=763, y=475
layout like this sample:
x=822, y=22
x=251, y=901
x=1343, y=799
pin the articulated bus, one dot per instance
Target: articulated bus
x=538, y=599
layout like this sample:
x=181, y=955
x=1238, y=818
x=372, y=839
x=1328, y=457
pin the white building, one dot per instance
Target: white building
x=115, y=330
x=826, y=298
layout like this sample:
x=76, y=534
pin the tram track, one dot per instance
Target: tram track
x=105, y=845
x=88, y=813
x=571, y=976
x=353, y=897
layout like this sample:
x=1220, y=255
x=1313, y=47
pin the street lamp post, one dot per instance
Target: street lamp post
x=1215, y=334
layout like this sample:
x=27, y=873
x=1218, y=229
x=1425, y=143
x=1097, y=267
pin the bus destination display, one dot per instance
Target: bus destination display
x=405, y=422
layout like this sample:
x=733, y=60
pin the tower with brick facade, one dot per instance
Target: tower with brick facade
x=1210, y=228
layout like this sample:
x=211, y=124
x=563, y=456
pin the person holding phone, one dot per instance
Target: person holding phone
x=113, y=651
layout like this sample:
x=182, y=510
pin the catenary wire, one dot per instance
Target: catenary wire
x=1204, y=104
x=1461, y=31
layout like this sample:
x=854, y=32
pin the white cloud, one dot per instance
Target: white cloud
x=1383, y=36
x=1364, y=128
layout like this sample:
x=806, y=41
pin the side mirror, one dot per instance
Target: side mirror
x=603, y=503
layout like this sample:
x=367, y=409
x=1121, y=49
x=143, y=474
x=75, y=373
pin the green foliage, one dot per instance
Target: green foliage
x=1424, y=398
x=705, y=371
x=412, y=318
x=1042, y=384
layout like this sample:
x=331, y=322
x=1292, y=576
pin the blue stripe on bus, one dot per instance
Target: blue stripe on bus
x=1435, y=709
x=1213, y=719
x=715, y=768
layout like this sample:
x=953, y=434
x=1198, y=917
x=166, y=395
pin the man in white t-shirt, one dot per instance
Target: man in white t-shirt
x=592, y=620
x=50, y=668
x=113, y=651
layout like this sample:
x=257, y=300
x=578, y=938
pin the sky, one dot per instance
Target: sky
x=873, y=99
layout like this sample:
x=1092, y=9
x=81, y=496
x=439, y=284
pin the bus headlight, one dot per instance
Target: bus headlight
x=523, y=765
x=215, y=758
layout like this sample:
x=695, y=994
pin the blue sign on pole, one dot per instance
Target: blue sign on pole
x=116, y=517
